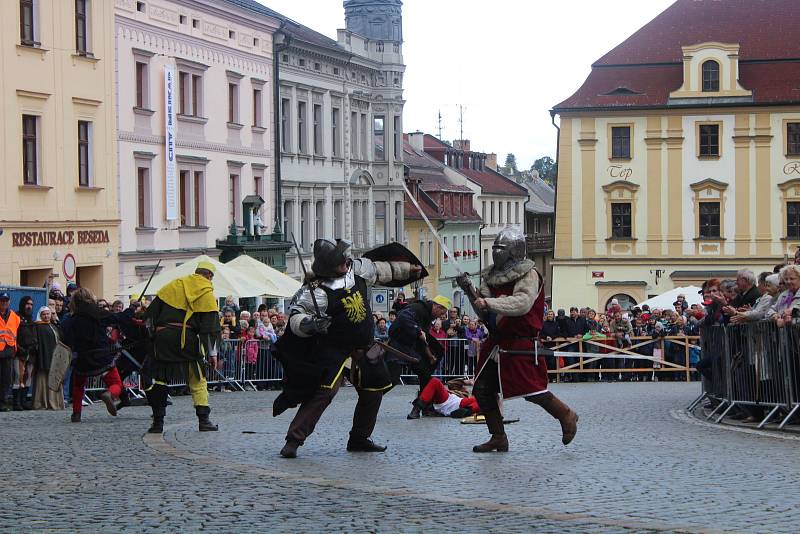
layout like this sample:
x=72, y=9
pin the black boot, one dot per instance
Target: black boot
x=290, y=449
x=158, y=421
x=23, y=399
x=15, y=393
x=414, y=413
x=359, y=444
x=205, y=424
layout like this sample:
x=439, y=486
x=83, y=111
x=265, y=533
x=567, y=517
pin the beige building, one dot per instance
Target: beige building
x=59, y=204
x=679, y=157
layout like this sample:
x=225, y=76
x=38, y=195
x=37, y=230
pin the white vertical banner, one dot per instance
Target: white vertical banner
x=170, y=173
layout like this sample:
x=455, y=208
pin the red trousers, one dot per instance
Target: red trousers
x=113, y=385
x=435, y=392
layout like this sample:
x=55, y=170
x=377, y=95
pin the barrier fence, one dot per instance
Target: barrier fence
x=753, y=366
x=250, y=363
x=624, y=357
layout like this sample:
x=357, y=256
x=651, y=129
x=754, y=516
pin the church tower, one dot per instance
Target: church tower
x=377, y=20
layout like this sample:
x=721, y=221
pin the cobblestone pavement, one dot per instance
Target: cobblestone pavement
x=637, y=465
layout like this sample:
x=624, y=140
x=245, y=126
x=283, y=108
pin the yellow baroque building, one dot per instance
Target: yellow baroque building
x=679, y=156
x=59, y=203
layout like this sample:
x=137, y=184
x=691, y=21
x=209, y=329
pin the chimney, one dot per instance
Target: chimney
x=491, y=161
x=461, y=144
x=415, y=139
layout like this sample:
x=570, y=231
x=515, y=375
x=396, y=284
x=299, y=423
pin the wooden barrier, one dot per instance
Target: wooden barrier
x=611, y=351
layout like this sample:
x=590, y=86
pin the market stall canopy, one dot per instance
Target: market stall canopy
x=275, y=283
x=227, y=280
x=664, y=301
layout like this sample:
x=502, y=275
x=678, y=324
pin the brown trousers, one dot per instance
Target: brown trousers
x=364, y=416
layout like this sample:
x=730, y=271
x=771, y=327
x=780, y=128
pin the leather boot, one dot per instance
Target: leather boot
x=15, y=393
x=499, y=440
x=414, y=413
x=108, y=400
x=290, y=449
x=205, y=424
x=76, y=417
x=359, y=444
x=559, y=410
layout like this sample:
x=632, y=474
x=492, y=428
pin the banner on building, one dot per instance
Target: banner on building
x=170, y=170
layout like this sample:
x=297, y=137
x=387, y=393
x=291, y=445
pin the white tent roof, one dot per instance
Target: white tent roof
x=227, y=280
x=664, y=301
x=276, y=283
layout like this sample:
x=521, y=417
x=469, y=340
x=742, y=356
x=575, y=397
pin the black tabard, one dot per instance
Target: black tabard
x=317, y=361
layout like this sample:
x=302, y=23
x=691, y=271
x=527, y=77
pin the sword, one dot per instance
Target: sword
x=144, y=291
x=305, y=275
x=470, y=291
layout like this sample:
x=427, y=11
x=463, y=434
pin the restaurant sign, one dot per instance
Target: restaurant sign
x=66, y=237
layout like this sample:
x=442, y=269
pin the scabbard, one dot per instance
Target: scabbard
x=399, y=354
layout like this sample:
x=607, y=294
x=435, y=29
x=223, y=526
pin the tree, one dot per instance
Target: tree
x=510, y=168
x=547, y=168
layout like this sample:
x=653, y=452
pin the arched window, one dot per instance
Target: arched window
x=710, y=76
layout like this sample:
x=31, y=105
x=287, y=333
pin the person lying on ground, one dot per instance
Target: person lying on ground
x=446, y=402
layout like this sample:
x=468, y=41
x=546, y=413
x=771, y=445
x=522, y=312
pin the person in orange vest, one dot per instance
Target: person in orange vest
x=9, y=324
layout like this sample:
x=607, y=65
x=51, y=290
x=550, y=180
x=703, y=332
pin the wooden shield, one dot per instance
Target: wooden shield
x=62, y=358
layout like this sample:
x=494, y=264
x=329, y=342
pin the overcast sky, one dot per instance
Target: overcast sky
x=507, y=62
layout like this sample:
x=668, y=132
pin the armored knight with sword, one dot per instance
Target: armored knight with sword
x=511, y=296
x=330, y=321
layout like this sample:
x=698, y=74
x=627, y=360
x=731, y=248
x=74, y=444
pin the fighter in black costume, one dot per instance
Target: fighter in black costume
x=330, y=320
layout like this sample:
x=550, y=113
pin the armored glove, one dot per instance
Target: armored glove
x=315, y=325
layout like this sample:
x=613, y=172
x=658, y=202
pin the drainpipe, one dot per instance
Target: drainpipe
x=277, y=48
x=555, y=187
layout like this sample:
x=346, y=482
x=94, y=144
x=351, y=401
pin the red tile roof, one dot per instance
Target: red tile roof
x=491, y=182
x=646, y=67
x=433, y=183
x=761, y=27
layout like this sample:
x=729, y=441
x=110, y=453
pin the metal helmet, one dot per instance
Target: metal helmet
x=329, y=255
x=508, y=248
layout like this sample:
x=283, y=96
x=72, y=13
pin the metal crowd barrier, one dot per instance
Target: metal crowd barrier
x=240, y=364
x=460, y=355
x=755, y=366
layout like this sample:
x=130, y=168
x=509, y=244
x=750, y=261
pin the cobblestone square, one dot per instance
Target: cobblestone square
x=636, y=465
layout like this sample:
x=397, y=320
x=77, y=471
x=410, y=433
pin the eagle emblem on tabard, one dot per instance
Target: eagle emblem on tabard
x=354, y=307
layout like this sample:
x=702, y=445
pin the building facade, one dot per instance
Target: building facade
x=59, y=210
x=499, y=201
x=539, y=219
x=680, y=155
x=341, y=108
x=195, y=120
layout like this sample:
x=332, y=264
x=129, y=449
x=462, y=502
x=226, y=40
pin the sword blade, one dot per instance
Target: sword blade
x=432, y=229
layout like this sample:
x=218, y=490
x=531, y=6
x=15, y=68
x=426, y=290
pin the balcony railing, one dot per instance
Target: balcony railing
x=540, y=242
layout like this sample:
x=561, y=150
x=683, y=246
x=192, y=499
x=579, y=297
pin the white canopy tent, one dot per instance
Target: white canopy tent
x=227, y=280
x=275, y=283
x=664, y=301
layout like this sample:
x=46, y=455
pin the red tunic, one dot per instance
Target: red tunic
x=520, y=375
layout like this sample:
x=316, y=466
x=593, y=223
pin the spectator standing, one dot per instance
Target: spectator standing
x=747, y=292
x=399, y=302
x=26, y=346
x=47, y=338
x=475, y=336
x=9, y=326
x=382, y=331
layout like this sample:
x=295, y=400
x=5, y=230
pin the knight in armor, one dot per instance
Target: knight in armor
x=330, y=321
x=512, y=296
x=184, y=319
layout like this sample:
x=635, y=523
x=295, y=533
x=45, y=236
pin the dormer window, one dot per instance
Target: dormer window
x=710, y=76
